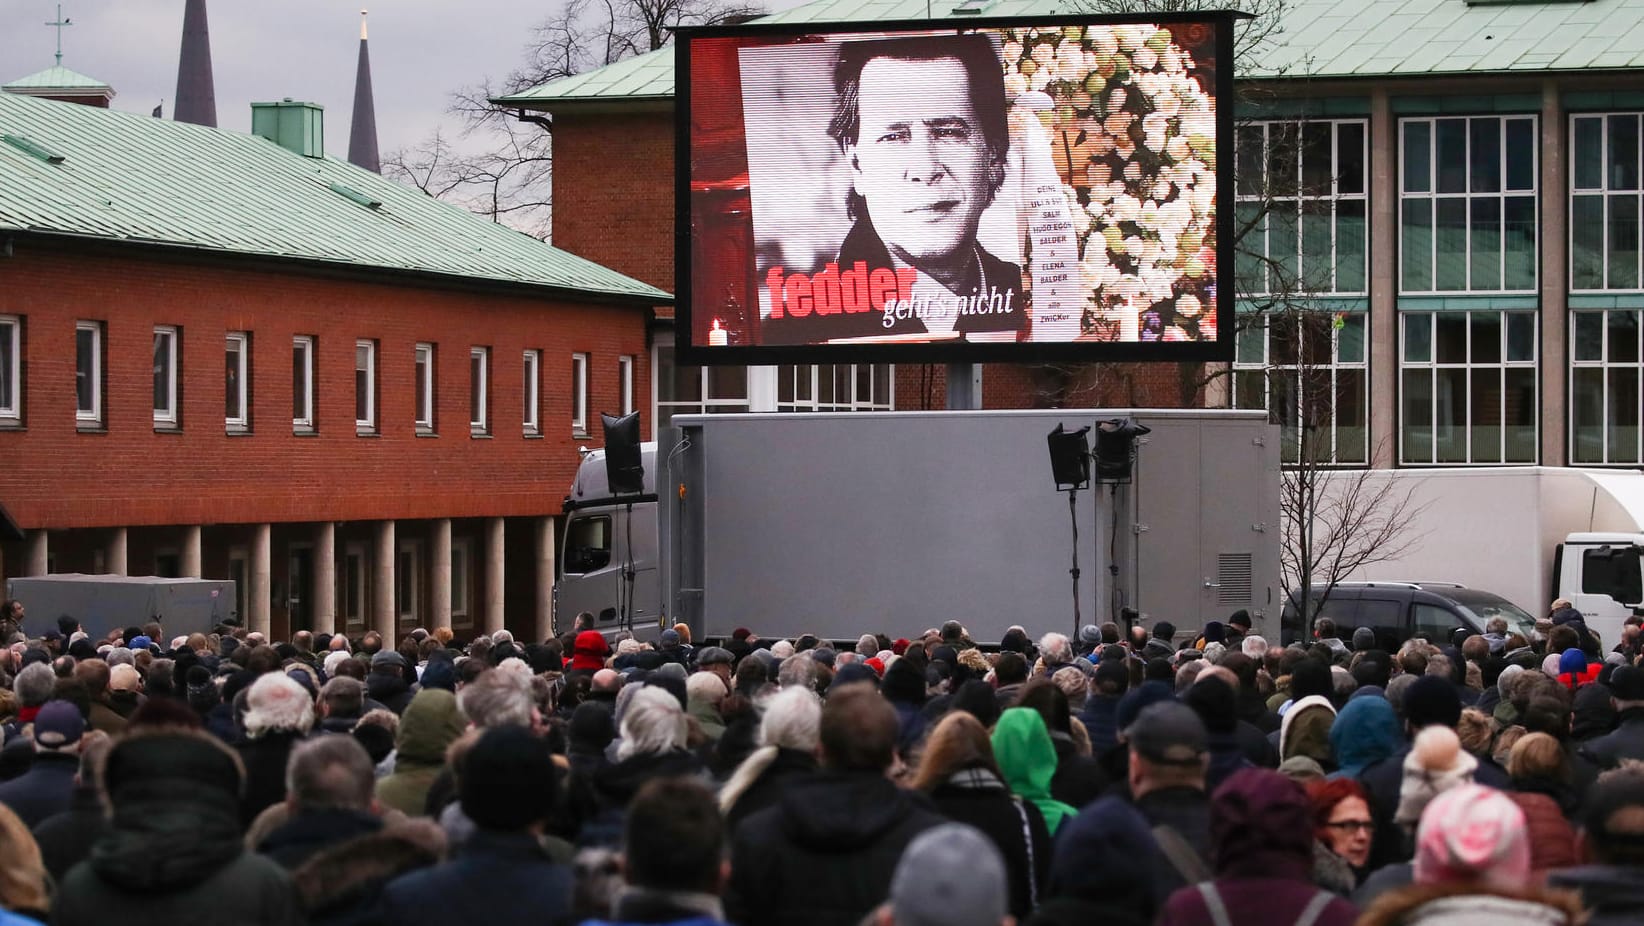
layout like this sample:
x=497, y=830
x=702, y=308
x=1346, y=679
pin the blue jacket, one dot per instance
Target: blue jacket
x=501, y=879
x=45, y=790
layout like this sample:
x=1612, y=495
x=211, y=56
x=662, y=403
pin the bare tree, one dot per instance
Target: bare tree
x=502, y=168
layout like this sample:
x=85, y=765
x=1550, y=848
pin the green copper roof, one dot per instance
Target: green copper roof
x=56, y=78
x=1320, y=38
x=129, y=178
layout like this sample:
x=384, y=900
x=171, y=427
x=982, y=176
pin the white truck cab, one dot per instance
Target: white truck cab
x=1599, y=574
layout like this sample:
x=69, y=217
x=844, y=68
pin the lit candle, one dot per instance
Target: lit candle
x=718, y=337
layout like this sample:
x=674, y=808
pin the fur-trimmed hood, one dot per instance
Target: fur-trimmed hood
x=353, y=873
x=1473, y=904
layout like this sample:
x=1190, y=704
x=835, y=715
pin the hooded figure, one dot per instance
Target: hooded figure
x=1026, y=756
x=431, y=722
x=174, y=847
x=589, y=652
x=1262, y=825
x=1367, y=730
x=1305, y=731
x=1105, y=869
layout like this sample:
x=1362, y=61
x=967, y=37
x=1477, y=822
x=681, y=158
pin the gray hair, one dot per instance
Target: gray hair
x=331, y=772
x=798, y=672
x=1254, y=646
x=867, y=646
x=793, y=720
x=652, y=724
x=1055, y=649
x=121, y=655
x=501, y=637
x=275, y=703
x=497, y=698
x=705, y=686
x=34, y=685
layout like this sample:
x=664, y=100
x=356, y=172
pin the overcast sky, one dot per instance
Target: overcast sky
x=304, y=49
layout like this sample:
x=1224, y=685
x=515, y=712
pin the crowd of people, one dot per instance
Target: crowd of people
x=1125, y=776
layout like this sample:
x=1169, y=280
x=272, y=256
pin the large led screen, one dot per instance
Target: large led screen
x=1043, y=189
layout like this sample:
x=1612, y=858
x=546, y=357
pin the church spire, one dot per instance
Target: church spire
x=196, y=99
x=362, y=134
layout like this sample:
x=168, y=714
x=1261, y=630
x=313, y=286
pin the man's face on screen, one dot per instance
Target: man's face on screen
x=921, y=160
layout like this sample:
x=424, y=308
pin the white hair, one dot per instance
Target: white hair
x=121, y=655
x=501, y=637
x=276, y=703
x=629, y=646
x=653, y=723
x=793, y=720
x=1253, y=646
x=867, y=646
x=782, y=649
x=705, y=686
x=176, y=642
x=1055, y=649
x=497, y=698
x=334, y=659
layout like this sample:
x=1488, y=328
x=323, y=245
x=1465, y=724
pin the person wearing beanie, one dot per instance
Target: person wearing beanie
x=1364, y=639
x=1262, y=826
x=1103, y=870
x=589, y=652
x=1626, y=741
x=950, y=875
x=1611, y=882
x=1574, y=670
x=174, y=848
x=1472, y=865
x=502, y=874
x=1238, y=627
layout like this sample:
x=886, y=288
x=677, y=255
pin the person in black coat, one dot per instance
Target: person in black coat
x=47, y=788
x=963, y=780
x=787, y=750
x=824, y=855
x=279, y=713
x=333, y=791
x=1627, y=740
x=501, y=875
x=65, y=839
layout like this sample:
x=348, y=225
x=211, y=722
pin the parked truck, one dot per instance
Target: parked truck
x=1529, y=534
x=835, y=524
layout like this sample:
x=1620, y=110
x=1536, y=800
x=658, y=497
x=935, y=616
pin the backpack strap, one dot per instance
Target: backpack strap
x=1213, y=904
x=1181, y=855
x=1314, y=909
x=1032, y=866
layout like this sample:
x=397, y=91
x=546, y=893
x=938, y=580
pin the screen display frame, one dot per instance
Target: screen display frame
x=696, y=352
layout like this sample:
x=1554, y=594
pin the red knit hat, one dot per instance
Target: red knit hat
x=588, y=655
x=900, y=646
x=876, y=665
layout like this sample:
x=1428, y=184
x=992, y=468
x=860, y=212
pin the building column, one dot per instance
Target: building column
x=116, y=552
x=191, y=552
x=1555, y=317
x=440, y=563
x=545, y=579
x=259, y=597
x=493, y=575
x=1384, y=283
x=35, y=563
x=325, y=577
x=382, y=584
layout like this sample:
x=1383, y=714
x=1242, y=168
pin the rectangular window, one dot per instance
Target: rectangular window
x=1606, y=195
x=1606, y=402
x=840, y=387
x=1468, y=204
x=353, y=584
x=237, y=382
x=365, y=387
x=1468, y=387
x=1301, y=206
x=625, y=379
x=302, y=383
x=1308, y=369
x=11, y=370
x=579, y=394
x=462, y=560
x=425, y=388
x=88, y=373
x=165, y=376
x=407, y=582
x=479, y=390
x=687, y=390
x=531, y=374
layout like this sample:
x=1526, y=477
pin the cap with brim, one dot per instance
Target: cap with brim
x=1169, y=733
x=715, y=655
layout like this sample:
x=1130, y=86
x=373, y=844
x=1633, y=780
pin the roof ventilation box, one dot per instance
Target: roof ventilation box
x=292, y=125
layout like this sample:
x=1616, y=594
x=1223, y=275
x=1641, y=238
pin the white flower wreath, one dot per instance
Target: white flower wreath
x=1134, y=141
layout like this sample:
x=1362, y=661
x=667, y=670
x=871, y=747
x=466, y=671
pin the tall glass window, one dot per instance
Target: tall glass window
x=840, y=387
x=1605, y=397
x=1468, y=204
x=479, y=390
x=689, y=390
x=88, y=373
x=11, y=372
x=532, y=399
x=365, y=386
x=1605, y=193
x=237, y=381
x=1469, y=387
x=1301, y=206
x=424, y=388
x=302, y=383
x=165, y=376
x=1308, y=368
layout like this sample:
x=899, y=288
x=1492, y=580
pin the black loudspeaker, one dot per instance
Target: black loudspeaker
x=1070, y=458
x=1116, y=448
x=623, y=469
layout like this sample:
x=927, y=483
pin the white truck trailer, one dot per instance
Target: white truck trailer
x=836, y=524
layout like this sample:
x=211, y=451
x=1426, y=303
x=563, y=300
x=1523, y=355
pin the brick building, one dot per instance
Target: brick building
x=230, y=356
x=1453, y=184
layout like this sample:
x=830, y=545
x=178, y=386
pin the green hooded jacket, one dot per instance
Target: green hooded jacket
x=1026, y=756
x=431, y=722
